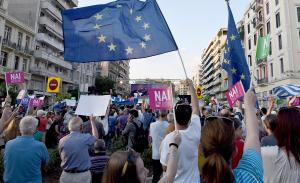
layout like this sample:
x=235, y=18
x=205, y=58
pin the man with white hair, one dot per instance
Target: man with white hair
x=24, y=156
x=74, y=152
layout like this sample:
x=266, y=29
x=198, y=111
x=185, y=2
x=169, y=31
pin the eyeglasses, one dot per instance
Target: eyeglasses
x=224, y=119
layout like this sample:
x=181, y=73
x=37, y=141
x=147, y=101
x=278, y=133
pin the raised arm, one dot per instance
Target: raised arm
x=194, y=99
x=252, y=138
x=272, y=103
x=173, y=159
x=94, y=128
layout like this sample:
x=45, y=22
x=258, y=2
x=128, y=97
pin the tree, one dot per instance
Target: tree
x=103, y=85
x=62, y=96
x=12, y=91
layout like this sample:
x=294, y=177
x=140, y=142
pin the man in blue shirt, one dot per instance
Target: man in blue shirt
x=24, y=156
x=74, y=152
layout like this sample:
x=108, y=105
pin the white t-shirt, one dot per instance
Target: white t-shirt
x=157, y=131
x=187, y=167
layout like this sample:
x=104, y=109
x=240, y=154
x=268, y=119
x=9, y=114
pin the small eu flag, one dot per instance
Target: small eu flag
x=120, y=30
x=234, y=57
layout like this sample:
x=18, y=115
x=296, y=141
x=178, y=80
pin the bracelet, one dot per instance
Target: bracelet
x=173, y=144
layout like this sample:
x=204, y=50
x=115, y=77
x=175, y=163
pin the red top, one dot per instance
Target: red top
x=239, y=148
x=42, y=124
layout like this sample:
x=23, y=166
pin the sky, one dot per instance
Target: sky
x=194, y=24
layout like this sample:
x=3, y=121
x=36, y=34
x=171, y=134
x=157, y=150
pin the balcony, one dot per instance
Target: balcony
x=51, y=9
x=49, y=73
x=5, y=69
x=51, y=41
x=24, y=51
x=263, y=81
x=262, y=61
x=54, y=26
x=259, y=22
x=53, y=59
x=8, y=44
x=258, y=5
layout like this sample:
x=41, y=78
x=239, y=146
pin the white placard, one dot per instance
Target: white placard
x=93, y=105
x=21, y=94
x=70, y=103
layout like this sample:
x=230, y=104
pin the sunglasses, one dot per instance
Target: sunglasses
x=224, y=119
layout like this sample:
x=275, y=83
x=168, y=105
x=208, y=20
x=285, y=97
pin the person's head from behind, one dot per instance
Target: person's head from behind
x=28, y=125
x=170, y=118
x=287, y=131
x=183, y=113
x=99, y=146
x=75, y=124
x=270, y=123
x=163, y=114
x=217, y=140
x=264, y=111
x=125, y=167
x=238, y=130
x=132, y=115
x=225, y=113
x=112, y=112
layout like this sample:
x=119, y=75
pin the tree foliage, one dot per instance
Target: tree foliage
x=62, y=96
x=103, y=85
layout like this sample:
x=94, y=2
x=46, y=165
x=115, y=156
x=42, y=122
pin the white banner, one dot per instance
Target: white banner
x=93, y=105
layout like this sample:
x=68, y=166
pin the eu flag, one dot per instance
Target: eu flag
x=234, y=57
x=120, y=30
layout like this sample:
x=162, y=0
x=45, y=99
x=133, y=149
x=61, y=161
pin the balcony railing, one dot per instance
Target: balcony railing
x=262, y=81
x=51, y=9
x=53, y=59
x=54, y=26
x=259, y=22
x=261, y=61
x=25, y=50
x=9, y=44
x=45, y=72
x=51, y=41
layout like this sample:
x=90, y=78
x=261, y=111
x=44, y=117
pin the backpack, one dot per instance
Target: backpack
x=141, y=139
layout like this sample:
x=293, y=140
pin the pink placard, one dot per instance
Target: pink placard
x=160, y=98
x=14, y=77
x=35, y=102
x=296, y=102
x=236, y=92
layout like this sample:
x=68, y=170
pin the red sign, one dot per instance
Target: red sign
x=14, y=77
x=53, y=84
x=160, y=98
x=236, y=92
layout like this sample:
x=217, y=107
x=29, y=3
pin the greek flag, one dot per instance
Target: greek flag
x=287, y=90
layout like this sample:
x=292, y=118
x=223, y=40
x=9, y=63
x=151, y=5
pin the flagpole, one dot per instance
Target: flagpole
x=182, y=64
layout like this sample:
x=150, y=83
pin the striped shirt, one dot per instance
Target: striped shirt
x=98, y=161
x=250, y=168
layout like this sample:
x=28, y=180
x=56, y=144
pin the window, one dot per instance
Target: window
x=250, y=60
x=278, y=20
x=270, y=50
x=298, y=13
x=255, y=39
x=279, y=42
x=264, y=72
x=249, y=44
x=27, y=43
x=3, y=59
x=20, y=37
x=254, y=22
x=248, y=15
x=24, y=66
x=276, y=2
x=257, y=74
x=7, y=34
x=268, y=27
x=261, y=32
x=248, y=28
x=267, y=8
x=281, y=66
x=271, y=68
x=17, y=59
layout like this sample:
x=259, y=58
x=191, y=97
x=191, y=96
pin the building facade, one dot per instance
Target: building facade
x=118, y=72
x=281, y=20
x=213, y=81
x=17, y=42
x=182, y=88
x=197, y=76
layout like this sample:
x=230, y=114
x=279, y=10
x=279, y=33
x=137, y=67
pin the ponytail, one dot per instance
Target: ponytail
x=216, y=170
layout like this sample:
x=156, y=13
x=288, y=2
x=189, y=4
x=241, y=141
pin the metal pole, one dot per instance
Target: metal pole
x=182, y=64
x=6, y=85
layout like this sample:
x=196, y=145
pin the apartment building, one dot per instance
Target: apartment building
x=197, y=76
x=17, y=42
x=213, y=81
x=281, y=20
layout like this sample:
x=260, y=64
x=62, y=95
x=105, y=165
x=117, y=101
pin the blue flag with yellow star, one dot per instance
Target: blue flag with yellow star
x=120, y=30
x=234, y=57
